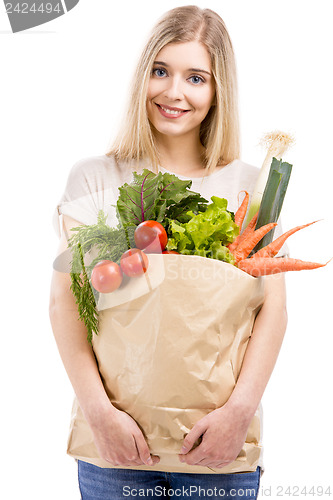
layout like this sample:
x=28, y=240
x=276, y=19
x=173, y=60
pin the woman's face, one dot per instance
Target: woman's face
x=181, y=89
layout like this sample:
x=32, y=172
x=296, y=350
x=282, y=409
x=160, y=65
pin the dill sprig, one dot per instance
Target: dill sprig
x=110, y=243
x=85, y=298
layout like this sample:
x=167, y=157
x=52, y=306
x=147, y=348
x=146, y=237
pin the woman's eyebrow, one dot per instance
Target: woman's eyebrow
x=189, y=69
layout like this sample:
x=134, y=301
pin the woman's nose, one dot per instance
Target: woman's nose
x=175, y=89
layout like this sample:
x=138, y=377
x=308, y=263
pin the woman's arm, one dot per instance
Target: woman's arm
x=118, y=438
x=224, y=430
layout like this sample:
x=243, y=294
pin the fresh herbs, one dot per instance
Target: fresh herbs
x=85, y=299
x=110, y=242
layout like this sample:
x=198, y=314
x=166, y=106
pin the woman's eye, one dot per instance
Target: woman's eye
x=159, y=72
x=197, y=79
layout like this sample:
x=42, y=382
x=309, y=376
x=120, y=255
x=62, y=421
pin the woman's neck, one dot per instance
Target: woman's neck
x=181, y=155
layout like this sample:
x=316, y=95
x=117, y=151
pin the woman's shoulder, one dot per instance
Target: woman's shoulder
x=97, y=173
x=244, y=174
x=246, y=168
x=105, y=169
x=92, y=165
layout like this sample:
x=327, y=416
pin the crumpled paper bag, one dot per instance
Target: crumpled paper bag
x=170, y=350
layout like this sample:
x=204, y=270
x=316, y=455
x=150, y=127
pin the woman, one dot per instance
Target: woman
x=182, y=118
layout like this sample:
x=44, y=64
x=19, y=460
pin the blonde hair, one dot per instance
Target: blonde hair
x=219, y=131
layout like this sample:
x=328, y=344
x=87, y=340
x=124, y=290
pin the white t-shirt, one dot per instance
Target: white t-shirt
x=93, y=184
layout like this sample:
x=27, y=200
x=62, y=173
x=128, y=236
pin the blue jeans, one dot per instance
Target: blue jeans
x=114, y=484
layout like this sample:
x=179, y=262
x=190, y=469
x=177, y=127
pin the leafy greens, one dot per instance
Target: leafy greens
x=156, y=196
x=206, y=233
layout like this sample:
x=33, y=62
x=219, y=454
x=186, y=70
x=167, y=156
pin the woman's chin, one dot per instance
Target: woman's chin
x=171, y=130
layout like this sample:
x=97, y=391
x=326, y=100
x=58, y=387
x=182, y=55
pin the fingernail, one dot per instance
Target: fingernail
x=149, y=461
x=183, y=449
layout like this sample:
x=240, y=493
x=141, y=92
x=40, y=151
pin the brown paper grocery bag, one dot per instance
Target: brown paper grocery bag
x=172, y=353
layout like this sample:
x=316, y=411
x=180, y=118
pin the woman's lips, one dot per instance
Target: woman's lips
x=171, y=113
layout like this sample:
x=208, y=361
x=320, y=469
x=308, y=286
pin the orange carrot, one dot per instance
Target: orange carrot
x=249, y=229
x=262, y=266
x=240, y=214
x=234, y=244
x=272, y=249
x=243, y=249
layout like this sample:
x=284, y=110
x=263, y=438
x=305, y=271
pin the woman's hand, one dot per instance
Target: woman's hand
x=223, y=434
x=119, y=439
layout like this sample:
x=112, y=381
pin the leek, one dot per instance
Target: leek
x=273, y=197
x=277, y=143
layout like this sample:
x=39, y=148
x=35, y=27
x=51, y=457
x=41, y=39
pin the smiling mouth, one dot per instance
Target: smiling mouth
x=174, y=112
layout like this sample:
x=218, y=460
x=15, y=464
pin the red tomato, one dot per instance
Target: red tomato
x=171, y=251
x=150, y=236
x=134, y=262
x=144, y=237
x=106, y=276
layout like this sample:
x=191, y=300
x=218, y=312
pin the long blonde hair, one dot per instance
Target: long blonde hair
x=219, y=131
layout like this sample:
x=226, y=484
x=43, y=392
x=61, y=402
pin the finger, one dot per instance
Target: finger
x=143, y=449
x=136, y=462
x=134, y=459
x=209, y=463
x=192, y=436
x=128, y=463
x=193, y=457
x=206, y=462
x=221, y=465
x=155, y=459
x=130, y=457
x=128, y=454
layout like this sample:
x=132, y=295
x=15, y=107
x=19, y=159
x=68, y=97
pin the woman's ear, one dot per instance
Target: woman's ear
x=214, y=101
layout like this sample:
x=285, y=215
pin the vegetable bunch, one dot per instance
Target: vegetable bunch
x=159, y=213
x=187, y=219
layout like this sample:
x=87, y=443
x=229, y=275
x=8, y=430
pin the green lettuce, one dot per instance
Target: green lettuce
x=207, y=233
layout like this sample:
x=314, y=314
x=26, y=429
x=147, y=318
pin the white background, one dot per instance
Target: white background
x=63, y=87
